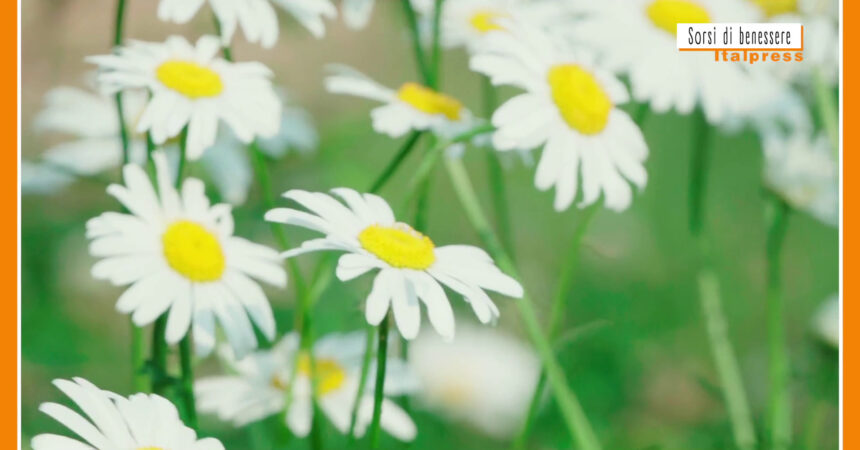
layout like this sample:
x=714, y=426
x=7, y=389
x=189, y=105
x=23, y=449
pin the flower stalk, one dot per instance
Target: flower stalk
x=379, y=391
x=557, y=313
x=716, y=325
x=574, y=417
x=779, y=403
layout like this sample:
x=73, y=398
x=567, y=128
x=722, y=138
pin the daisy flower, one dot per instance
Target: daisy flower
x=464, y=23
x=661, y=75
x=257, y=18
x=411, y=107
x=356, y=13
x=257, y=388
x=801, y=168
x=570, y=108
x=411, y=267
x=180, y=258
x=191, y=86
x=490, y=389
x=90, y=119
x=111, y=421
x=820, y=19
x=825, y=324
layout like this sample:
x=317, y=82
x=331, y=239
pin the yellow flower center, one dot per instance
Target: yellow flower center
x=580, y=99
x=776, y=7
x=429, y=101
x=486, y=20
x=400, y=246
x=193, y=251
x=667, y=14
x=190, y=79
x=330, y=375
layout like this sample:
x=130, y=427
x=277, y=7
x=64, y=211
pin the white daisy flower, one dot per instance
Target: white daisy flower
x=411, y=267
x=492, y=385
x=111, y=421
x=464, y=23
x=191, y=86
x=661, y=75
x=258, y=388
x=411, y=107
x=569, y=107
x=180, y=257
x=820, y=19
x=91, y=119
x=825, y=323
x=801, y=168
x=356, y=13
x=257, y=18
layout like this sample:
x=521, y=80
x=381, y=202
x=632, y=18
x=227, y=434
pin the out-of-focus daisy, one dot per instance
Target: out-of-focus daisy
x=257, y=18
x=180, y=257
x=661, y=75
x=493, y=382
x=91, y=119
x=411, y=107
x=464, y=23
x=111, y=421
x=820, y=19
x=411, y=267
x=801, y=168
x=191, y=86
x=825, y=324
x=258, y=388
x=356, y=13
x=569, y=107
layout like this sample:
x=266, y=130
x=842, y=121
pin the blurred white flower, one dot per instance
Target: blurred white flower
x=192, y=86
x=411, y=107
x=825, y=324
x=111, y=421
x=492, y=384
x=569, y=107
x=180, y=257
x=801, y=168
x=464, y=23
x=356, y=13
x=91, y=119
x=257, y=18
x=820, y=19
x=258, y=388
x=411, y=267
x=661, y=75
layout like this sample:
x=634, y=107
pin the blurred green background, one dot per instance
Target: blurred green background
x=645, y=378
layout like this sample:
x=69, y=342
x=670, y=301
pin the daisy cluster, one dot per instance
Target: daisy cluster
x=581, y=91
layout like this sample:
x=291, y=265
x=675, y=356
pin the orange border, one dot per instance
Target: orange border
x=851, y=187
x=9, y=126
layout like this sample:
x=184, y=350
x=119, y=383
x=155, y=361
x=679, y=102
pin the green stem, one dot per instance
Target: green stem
x=574, y=417
x=779, y=404
x=362, y=382
x=160, y=379
x=698, y=171
x=724, y=358
x=381, y=360
x=716, y=326
x=138, y=359
x=395, y=163
x=187, y=382
x=557, y=313
x=498, y=189
x=436, y=55
x=828, y=109
x=412, y=21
